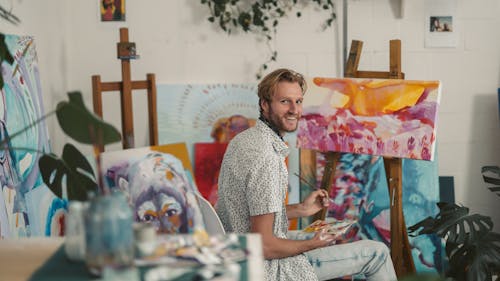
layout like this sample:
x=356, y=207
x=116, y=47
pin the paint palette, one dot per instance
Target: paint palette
x=338, y=228
x=185, y=250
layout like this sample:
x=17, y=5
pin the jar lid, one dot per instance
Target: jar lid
x=74, y=206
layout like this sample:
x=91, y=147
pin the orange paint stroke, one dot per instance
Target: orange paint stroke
x=371, y=98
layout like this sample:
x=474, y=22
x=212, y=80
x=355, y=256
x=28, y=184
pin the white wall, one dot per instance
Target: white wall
x=176, y=42
x=469, y=125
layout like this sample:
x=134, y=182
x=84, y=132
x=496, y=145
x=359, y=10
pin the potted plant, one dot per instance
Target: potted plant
x=472, y=248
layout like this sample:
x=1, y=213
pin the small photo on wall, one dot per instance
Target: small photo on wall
x=112, y=10
x=441, y=24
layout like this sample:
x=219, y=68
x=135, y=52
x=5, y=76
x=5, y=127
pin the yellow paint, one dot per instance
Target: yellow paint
x=376, y=97
x=179, y=150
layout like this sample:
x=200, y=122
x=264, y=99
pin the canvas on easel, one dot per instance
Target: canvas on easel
x=386, y=117
x=359, y=113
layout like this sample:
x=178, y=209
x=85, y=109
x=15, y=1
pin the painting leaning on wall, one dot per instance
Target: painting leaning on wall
x=27, y=206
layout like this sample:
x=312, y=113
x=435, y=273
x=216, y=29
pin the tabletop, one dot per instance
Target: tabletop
x=33, y=258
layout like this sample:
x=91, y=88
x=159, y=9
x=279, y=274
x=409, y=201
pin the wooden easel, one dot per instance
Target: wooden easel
x=126, y=51
x=400, y=246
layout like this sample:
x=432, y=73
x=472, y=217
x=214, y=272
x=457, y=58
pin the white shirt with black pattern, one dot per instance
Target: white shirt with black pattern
x=253, y=180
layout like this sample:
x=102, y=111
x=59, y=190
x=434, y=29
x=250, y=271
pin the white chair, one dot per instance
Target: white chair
x=213, y=225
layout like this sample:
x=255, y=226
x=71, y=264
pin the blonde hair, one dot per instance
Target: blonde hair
x=267, y=87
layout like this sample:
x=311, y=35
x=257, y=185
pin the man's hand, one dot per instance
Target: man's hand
x=322, y=238
x=275, y=247
x=316, y=201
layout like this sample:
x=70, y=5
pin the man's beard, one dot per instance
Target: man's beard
x=279, y=124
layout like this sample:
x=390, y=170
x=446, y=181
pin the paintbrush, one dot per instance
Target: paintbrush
x=312, y=186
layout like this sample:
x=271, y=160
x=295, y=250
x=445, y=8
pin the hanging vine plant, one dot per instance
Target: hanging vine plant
x=261, y=17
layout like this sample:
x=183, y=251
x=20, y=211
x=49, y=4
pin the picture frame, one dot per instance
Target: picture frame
x=112, y=10
x=441, y=28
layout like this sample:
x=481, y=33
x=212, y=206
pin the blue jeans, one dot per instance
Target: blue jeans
x=367, y=257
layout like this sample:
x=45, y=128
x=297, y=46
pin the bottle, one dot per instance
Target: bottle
x=74, y=241
x=109, y=234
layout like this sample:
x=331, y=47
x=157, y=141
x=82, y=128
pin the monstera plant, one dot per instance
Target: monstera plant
x=73, y=169
x=472, y=248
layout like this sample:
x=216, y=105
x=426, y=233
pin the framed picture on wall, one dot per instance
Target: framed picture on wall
x=112, y=10
x=441, y=24
x=441, y=28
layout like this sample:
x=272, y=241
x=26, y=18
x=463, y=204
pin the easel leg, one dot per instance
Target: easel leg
x=400, y=246
x=331, y=160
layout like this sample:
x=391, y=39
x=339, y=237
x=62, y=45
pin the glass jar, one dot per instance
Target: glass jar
x=109, y=233
x=74, y=241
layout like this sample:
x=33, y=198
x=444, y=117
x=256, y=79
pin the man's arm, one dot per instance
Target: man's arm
x=316, y=201
x=275, y=247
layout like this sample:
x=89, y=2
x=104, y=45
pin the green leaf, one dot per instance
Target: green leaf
x=244, y=20
x=455, y=223
x=73, y=170
x=82, y=125
x=473, y=250
x=495, y=179
x=477, y=261
x=53, y=172
x=77, y=161
x=81, y=180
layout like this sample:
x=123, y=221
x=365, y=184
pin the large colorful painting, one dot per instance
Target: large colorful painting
x=206, y=118
x=395, y=118
x=28, y=208
x=359, y=192
x=158, y=182
x=205, y=112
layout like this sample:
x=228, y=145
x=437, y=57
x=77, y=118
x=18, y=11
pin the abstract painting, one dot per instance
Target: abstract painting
x=359, y=192
x=21, y=105
x=206, y=118
x=208, y=160
x=158, y=184
x=206, y=113
x=395, y=118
